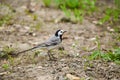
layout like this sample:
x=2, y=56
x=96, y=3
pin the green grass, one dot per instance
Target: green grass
x=5, y=20
x=72, y=4
x=111, y=16
x=6, y=52
x=79, y=15
x=79, y=8
x=108, y=56
x=47, y=3
x=74, y=15
x=117, y=3
x=5, y=66
x=6, y=14
x=66, y=11
x=74, y=9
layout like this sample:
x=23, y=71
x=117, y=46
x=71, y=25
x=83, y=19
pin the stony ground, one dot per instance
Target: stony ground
x=29, y=30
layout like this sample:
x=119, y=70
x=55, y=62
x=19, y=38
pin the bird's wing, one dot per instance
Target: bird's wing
x=51, y=42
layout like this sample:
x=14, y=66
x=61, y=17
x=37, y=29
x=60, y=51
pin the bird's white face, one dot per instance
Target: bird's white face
x=59, y=32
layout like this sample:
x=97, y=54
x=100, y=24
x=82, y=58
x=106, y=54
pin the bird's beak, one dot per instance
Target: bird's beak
x=64, y=31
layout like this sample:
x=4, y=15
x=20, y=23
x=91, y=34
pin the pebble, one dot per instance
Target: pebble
x=72, y=77
x=65, y=68
x=39, y=67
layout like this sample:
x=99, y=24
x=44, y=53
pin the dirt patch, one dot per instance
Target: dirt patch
x=81, y=40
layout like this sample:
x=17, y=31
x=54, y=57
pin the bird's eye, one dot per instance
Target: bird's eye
x=61, y=31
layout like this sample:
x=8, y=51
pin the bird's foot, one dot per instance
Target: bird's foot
x=52, y=59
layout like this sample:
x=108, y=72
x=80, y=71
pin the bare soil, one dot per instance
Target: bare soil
x=79, y=41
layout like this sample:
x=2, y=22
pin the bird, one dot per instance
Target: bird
x=49, y=44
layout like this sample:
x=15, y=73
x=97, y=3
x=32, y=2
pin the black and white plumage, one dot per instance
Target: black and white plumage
x=51, y=43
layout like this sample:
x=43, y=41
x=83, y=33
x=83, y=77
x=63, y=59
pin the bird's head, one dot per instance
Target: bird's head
x=59, y=32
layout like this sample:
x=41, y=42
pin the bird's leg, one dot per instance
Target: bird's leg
x=51, y=57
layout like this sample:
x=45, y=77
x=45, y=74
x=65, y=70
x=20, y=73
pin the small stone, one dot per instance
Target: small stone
x=95, y=22
x=65, y=68
x=4, y=73
x=59, y=19
x=72, y=77
x=46, y=65
x=53, y=72
x=44, y=77
x=92, y=39
x=32, y=34
x=39, y=67
x=62, y=60
x=110, y=29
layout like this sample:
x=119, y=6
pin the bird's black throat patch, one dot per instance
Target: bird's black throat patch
x=56, y=34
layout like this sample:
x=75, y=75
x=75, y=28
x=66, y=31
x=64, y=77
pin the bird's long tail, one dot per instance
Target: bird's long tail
x=27, y=50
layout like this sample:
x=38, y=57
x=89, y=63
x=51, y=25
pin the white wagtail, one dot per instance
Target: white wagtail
x=51, y=43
